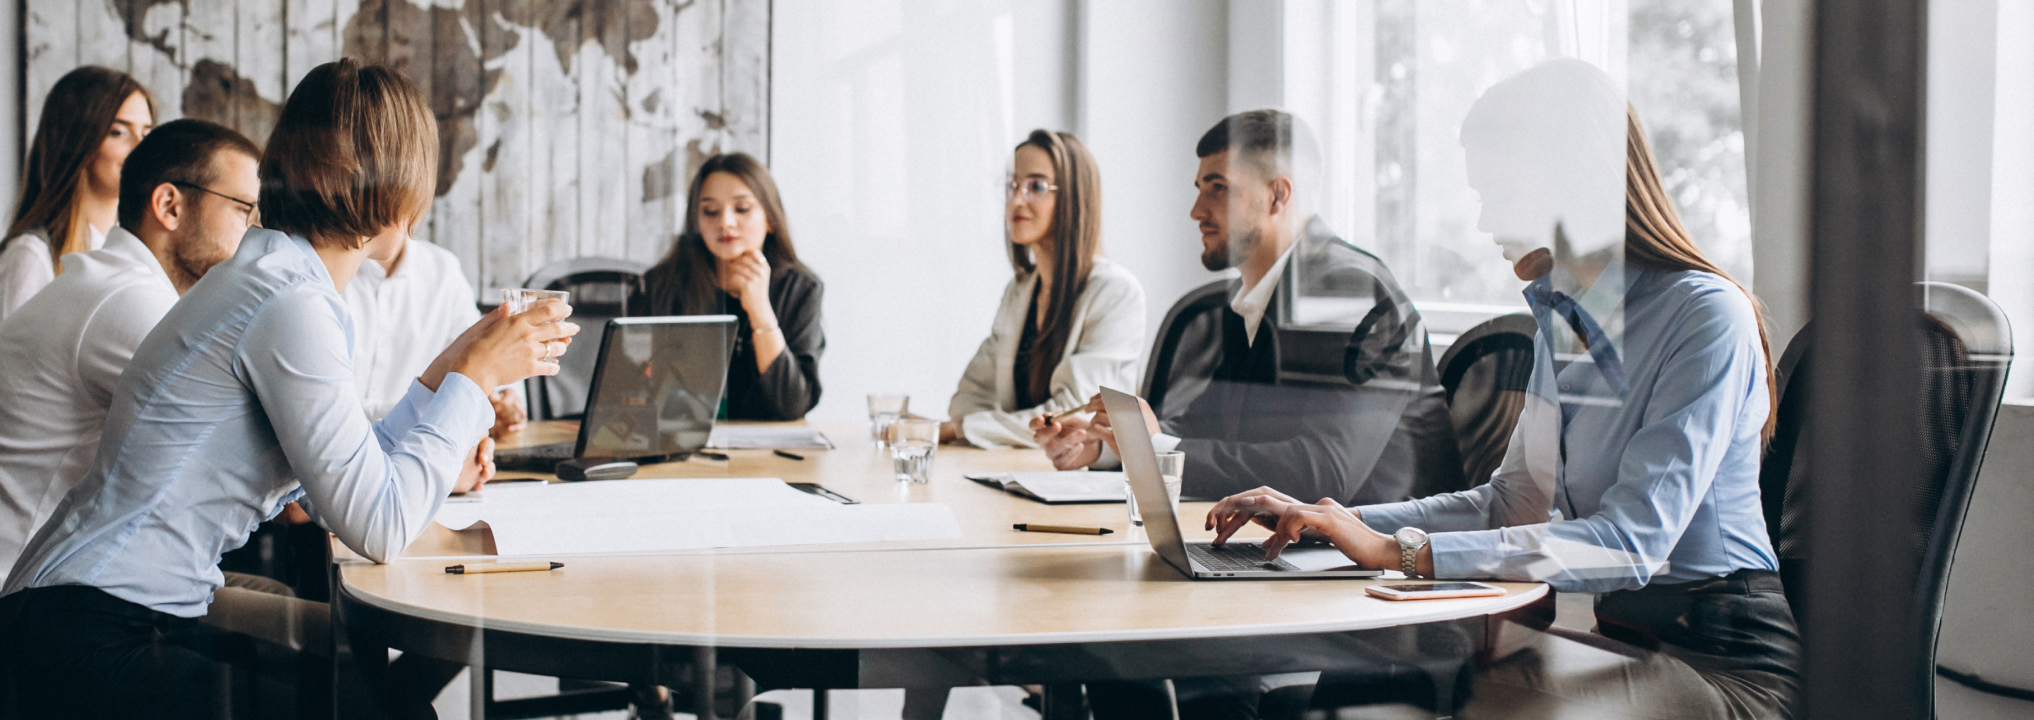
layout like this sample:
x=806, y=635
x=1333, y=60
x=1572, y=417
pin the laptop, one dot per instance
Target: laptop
x=1200, y=560
x=655, y=394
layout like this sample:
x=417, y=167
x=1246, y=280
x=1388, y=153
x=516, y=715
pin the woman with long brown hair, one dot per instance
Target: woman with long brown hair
x=1070, y=322
x=735, y=257
x=70, y=190
x=1634, y=469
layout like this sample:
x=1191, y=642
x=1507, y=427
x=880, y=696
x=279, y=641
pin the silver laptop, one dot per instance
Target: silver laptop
x=1201, y=560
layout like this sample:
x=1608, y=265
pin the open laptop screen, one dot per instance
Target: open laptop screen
x=657, y=386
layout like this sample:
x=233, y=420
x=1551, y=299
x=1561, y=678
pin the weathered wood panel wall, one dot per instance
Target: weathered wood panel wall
x=567, y=128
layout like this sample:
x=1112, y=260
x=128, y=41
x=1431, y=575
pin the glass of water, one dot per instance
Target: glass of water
x=1171, y=468
x=883, y=410
x=912, y=443
x=519, y=300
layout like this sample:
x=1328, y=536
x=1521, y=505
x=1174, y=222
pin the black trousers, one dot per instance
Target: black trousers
x=75, y=651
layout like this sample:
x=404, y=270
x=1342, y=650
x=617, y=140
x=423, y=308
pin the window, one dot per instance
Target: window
x=1386, y=85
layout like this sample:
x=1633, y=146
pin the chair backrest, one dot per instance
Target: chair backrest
x=1165, y=349
x=1484, y=375
x=1966, y=346
x=601, y=288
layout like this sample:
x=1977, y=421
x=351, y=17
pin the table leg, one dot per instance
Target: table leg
x=819, y=704
x=704, y=672
x=1063, y=701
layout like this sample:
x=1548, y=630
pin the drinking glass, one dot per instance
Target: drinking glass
x=519, y=300
x=1171, y=468
x=912, y=443
x=883, y=410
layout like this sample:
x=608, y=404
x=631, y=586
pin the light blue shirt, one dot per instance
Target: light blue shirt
x=1609, y=488
x=243, y=389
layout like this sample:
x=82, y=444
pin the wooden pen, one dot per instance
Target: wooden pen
x=501, y=567
x=1068, y=529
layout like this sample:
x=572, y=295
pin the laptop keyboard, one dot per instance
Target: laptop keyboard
x=1236, y=557
x=538, y=458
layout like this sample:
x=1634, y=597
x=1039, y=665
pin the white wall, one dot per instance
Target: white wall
x=1155, y=78
x=2012, y=191
x=1962, y=36
x=892, y=127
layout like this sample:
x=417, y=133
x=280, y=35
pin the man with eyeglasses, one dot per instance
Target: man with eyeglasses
x=187, y=195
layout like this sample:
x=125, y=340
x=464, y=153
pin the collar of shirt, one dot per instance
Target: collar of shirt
x=375, y=272
x=126, y=247
x=1251, y=301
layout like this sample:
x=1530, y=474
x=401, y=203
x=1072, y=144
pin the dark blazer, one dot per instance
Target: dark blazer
x=790, y=388
x=1344, y=406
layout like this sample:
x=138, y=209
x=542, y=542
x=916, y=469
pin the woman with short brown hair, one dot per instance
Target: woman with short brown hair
x=70, y=189
x=242, y=400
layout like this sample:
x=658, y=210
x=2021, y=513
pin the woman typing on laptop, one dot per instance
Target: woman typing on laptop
x=242, y=400
x=1633, y=471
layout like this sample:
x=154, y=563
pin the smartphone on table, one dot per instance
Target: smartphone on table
x=1433, y=591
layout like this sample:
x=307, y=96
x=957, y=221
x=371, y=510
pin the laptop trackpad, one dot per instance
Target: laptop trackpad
x=1312, y=559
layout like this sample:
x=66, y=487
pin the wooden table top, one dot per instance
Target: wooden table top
x=905, y=599
x=992, y=586
x=855, y=468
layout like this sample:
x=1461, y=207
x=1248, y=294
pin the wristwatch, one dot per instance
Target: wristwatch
x=1410, y=540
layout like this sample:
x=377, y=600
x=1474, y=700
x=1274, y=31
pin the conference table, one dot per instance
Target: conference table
x=992, y=606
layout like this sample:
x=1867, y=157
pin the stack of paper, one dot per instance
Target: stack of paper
x=665, y=515
x=1053, y=488
x=767, y=437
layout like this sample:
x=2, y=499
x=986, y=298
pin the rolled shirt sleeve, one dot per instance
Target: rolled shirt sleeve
x=1707, y=398
x=374, y=486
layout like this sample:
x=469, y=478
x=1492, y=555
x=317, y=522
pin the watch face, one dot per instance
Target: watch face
x=1411, y=536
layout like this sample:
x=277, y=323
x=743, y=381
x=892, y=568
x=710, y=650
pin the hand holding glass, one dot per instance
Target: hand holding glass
x=912, y=444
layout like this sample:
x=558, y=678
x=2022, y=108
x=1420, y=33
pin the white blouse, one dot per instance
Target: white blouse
x=1103, y=349
x=25, y=268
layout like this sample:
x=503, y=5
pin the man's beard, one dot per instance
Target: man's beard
x=191, y=256
x=1226, y=256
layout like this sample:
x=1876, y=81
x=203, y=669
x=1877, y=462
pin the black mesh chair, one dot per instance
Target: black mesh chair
x=600, y=289
x=1966, y=346
x=1484, y=374
x=1165, y=349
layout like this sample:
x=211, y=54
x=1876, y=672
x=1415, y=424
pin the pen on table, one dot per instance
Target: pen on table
x=501, y=567
x=793, y=456
x=1068, y=529
x=713, y=456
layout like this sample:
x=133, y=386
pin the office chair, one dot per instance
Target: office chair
x=1966, y=346
x=1165, y=347
x=1484, y=374
x=600, y=289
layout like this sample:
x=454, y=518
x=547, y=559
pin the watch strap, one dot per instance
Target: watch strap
x=1408, y=560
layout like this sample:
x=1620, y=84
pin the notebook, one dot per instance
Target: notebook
x=768, y=437
x=1054, y=488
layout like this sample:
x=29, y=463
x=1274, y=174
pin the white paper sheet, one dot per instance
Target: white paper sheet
x=767, y=437
x=665, y=515
x=1071, y=486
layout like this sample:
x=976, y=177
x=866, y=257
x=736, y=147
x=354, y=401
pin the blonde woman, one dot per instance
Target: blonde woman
x=1634, y=471
x=71, y=188
x=1070, y=322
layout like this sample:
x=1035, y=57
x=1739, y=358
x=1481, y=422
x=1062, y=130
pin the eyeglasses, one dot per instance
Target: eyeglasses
x=1029, y=189
x=248, y=208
